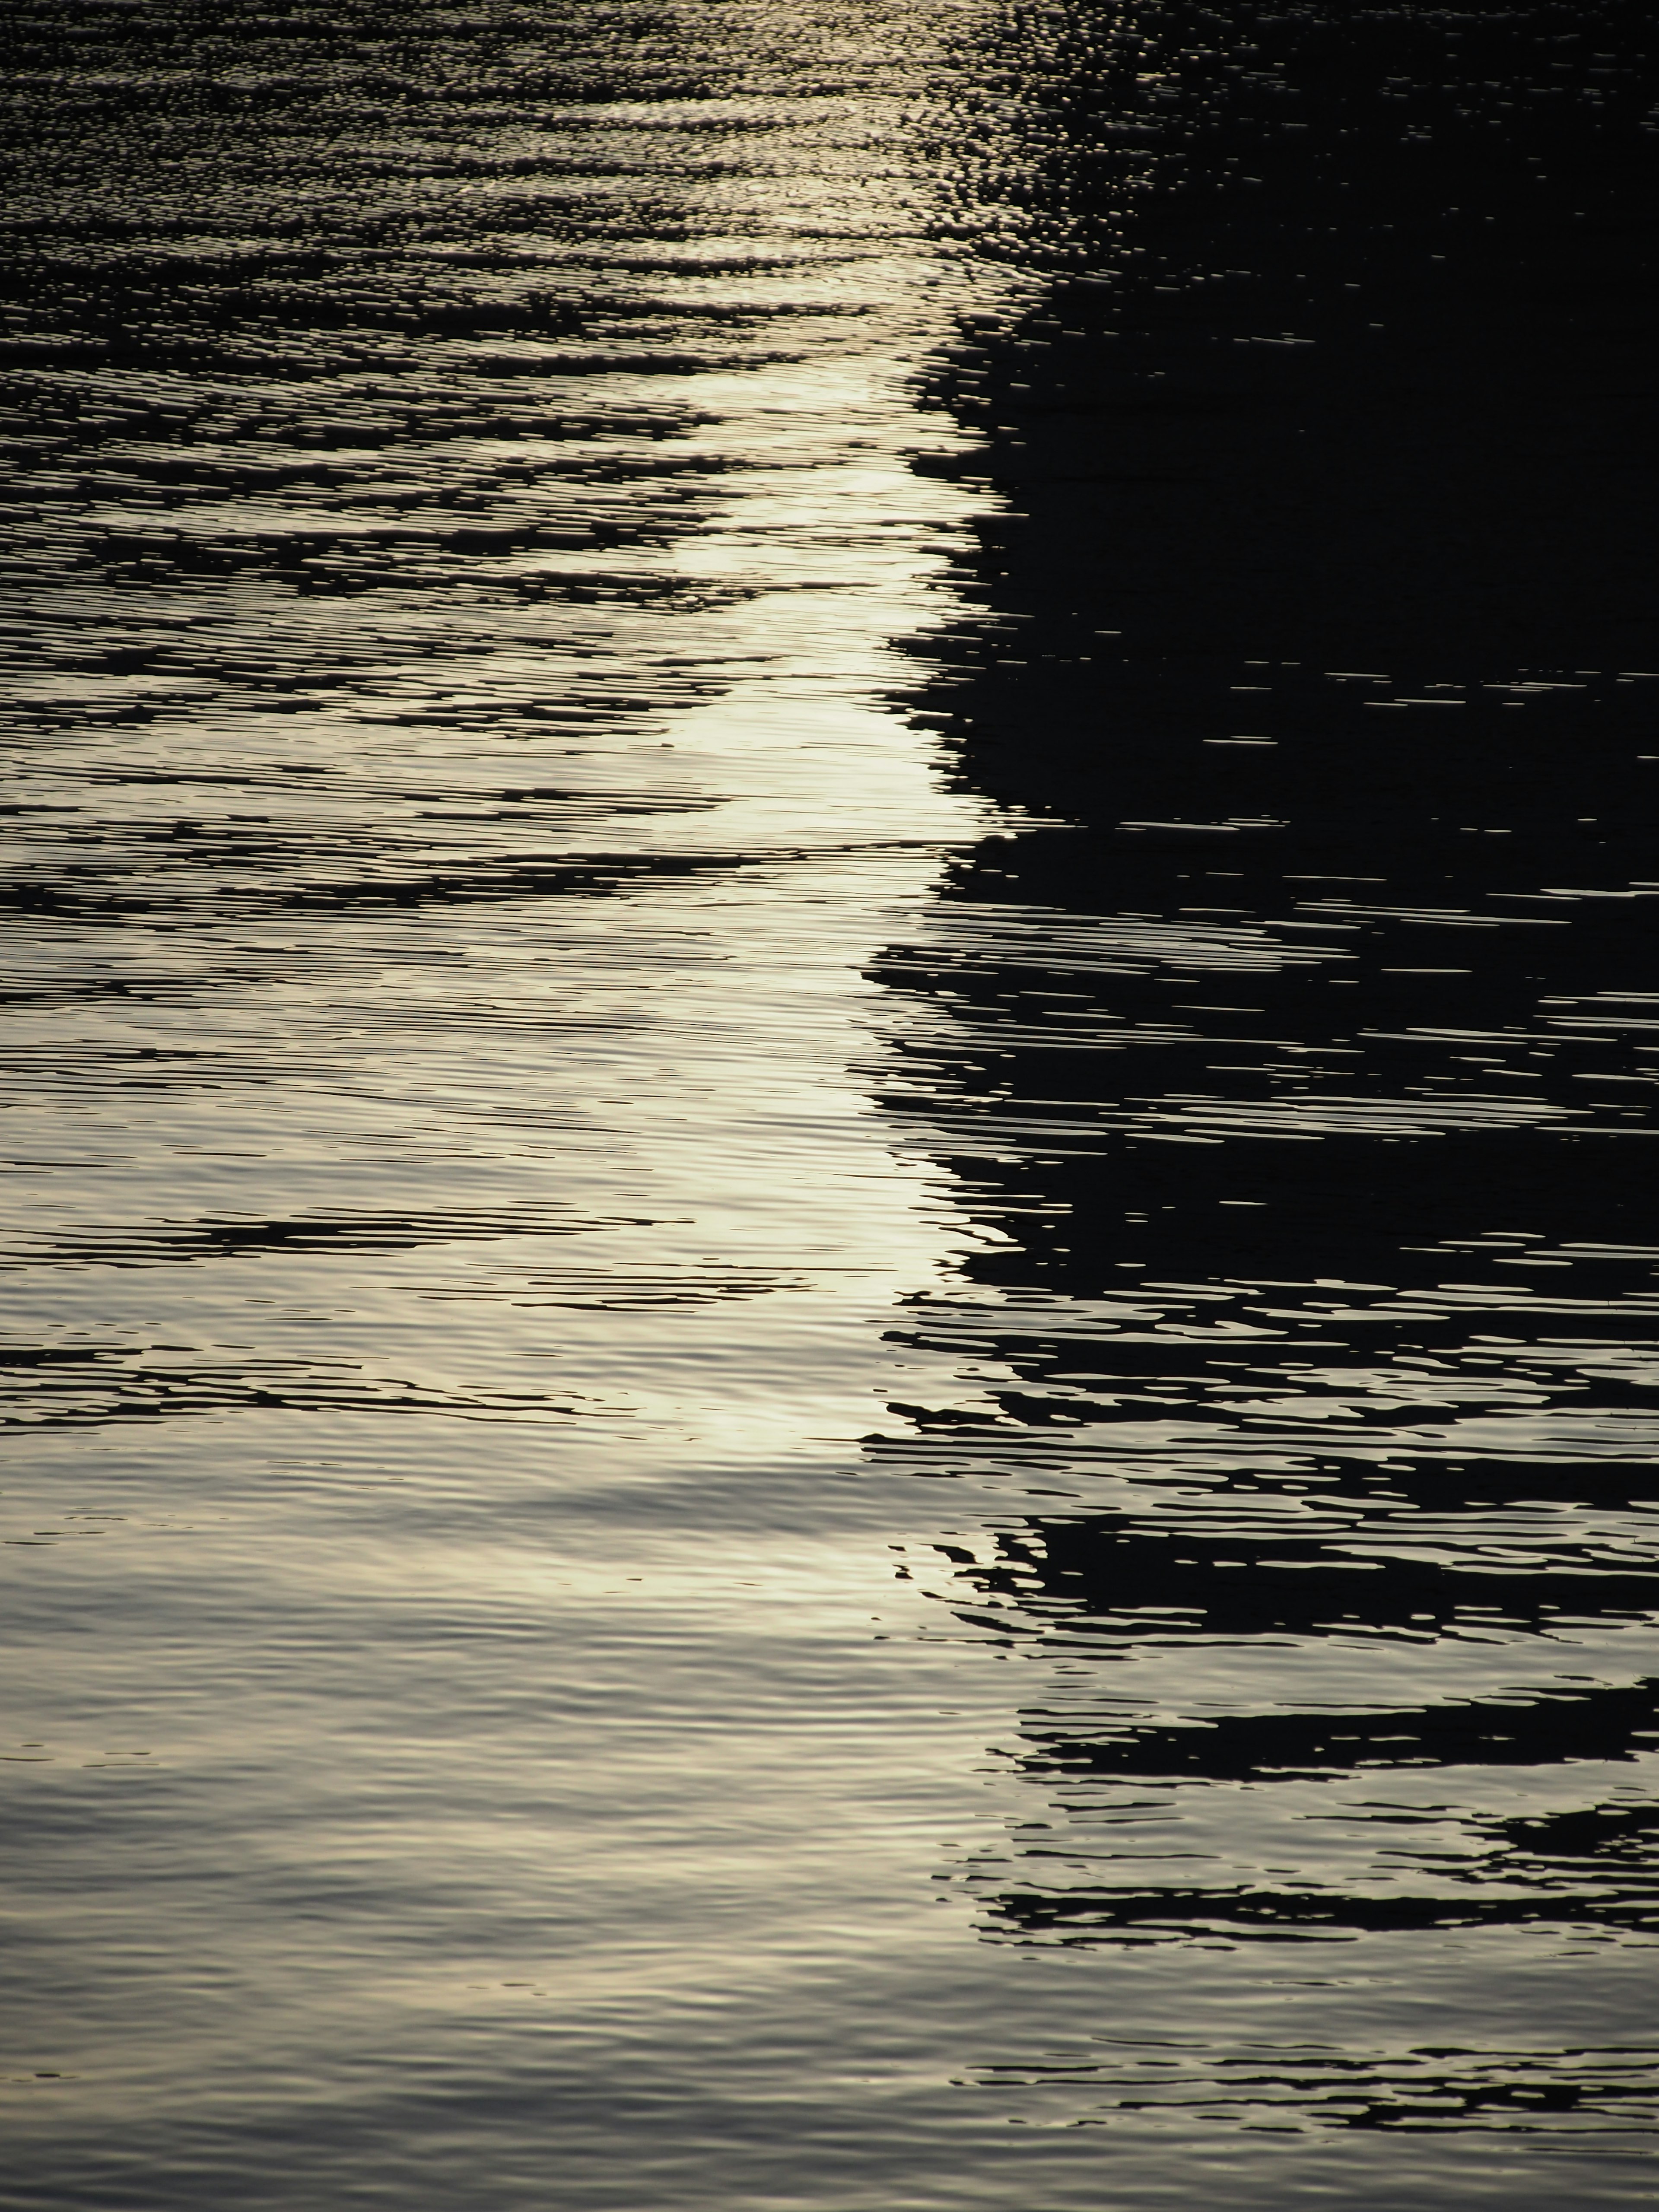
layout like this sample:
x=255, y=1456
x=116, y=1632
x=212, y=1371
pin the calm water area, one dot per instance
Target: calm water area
x=830, y=1246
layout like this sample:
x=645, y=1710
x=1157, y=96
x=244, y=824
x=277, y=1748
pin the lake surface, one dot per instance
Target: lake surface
x=832, y=1250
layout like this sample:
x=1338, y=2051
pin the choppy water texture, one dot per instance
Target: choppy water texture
x=831, y=1249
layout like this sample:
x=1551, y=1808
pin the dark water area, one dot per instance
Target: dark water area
x=830, y=1238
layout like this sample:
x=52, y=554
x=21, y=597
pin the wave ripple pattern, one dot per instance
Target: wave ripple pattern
x=708, y=1505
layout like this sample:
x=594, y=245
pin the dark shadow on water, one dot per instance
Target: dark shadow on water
x=1306, y=1065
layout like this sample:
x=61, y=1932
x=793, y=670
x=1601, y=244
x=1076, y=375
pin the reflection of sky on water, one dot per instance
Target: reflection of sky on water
x=452, y=1235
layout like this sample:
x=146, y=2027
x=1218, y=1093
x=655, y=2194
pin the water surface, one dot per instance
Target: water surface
x=831, y=1252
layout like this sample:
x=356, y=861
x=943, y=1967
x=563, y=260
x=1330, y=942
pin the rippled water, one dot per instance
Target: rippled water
x=831, y=1245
